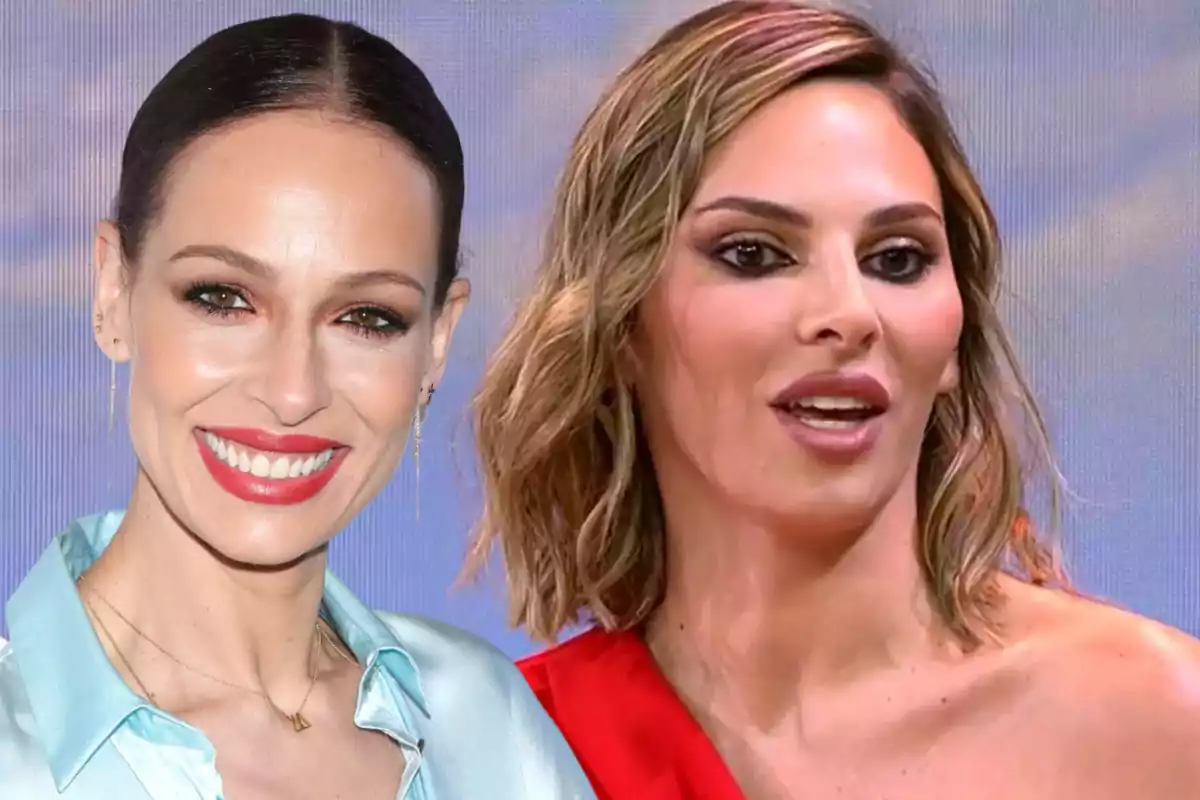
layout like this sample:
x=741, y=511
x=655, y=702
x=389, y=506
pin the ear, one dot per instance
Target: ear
x=443, y=331
x=110, y=294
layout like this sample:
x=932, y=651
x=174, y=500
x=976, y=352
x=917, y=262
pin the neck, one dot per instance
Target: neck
x=759, y=617
x=249, y=627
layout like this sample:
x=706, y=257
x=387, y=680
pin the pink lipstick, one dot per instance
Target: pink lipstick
x=834, y=415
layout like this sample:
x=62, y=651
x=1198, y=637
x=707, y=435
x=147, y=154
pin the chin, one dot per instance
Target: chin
x=818, y=503
x=263, y=535
x=265, y=546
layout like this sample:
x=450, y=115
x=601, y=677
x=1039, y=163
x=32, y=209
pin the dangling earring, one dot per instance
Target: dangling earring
x=112, y=393
x=418, y=421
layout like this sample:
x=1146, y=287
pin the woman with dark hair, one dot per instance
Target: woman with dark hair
x=759, y=424
x=282, y=276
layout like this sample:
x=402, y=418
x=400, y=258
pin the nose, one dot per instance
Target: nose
x=836, y=309
x=292, y=377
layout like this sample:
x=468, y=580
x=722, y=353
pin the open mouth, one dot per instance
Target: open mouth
x=264, y=467
x=265, y=464
x=831, y=413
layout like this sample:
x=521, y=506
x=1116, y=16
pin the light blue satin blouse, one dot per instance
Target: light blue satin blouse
x=70, y=727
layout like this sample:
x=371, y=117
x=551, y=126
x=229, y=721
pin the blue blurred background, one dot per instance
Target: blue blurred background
x=1082, y=118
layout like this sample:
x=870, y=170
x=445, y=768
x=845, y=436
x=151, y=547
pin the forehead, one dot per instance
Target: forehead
x=300, y=186
x=821, y=142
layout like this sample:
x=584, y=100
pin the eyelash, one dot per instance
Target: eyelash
x=723, y=254
x=923, y=259
x=200, y=296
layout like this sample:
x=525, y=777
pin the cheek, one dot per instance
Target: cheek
x=709, y=346
x=180, y=357
x=379, y=382
x=923, y=325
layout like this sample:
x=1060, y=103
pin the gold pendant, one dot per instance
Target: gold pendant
x=299, y=723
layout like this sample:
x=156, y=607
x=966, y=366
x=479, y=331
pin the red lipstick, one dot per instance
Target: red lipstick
x=276, y=442
x=834, y=415
x=284, y=457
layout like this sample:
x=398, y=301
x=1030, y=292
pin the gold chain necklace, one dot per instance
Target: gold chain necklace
x=299, y=722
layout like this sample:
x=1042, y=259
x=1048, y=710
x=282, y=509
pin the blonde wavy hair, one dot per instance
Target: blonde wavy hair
x=570, y=494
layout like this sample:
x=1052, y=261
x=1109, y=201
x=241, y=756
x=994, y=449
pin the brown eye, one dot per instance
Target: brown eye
x=905, y=264
x=217, y=299
x=223, y=298
x=365, y=318
x=752, y=257
x=371, y=321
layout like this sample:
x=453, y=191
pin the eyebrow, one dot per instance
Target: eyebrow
x=263, y=270
x=788, y=215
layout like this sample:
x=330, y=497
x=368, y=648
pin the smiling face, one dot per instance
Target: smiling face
x=279, y=329
x=806, y=317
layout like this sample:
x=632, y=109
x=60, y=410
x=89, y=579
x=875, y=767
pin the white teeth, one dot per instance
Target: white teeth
x=272, y=466
x=260, y=466
x=831, y=403
x=835, y=424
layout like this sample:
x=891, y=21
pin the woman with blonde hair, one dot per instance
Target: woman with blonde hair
x=759, y=424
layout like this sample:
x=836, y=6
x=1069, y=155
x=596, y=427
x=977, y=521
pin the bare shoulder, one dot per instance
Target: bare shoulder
x=1120, y=692
x=1099, y=647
